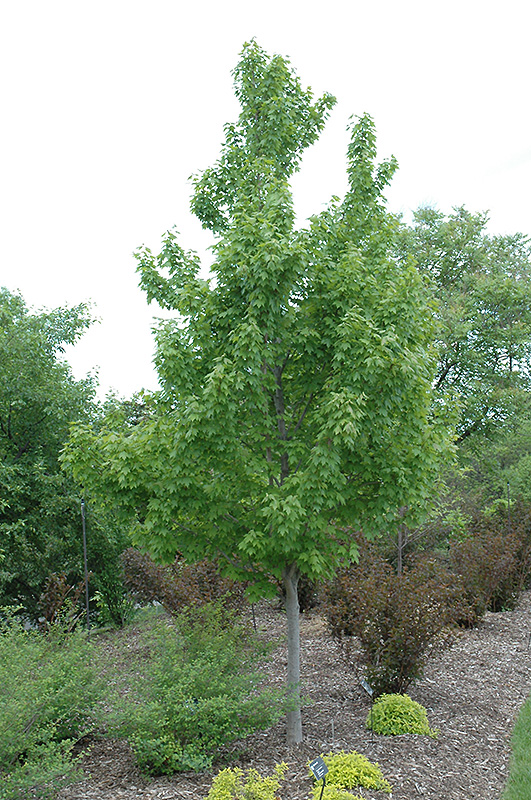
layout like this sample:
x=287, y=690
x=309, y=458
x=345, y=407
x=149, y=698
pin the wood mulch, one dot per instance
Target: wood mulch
x=473, y=693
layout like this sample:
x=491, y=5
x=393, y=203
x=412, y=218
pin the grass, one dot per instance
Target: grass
x=519, y=783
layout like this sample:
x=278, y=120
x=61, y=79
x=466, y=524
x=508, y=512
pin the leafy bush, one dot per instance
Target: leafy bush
x=394, y=714
x=179, y=585
x=41, y=773
x=109, y=593
x=197, y=688
x=114, y=604
x=493, y=564
x=399, y=620
x=49, y=689
x=163, y=755
x=235, y=784
x=348, y=771
x=60, y=602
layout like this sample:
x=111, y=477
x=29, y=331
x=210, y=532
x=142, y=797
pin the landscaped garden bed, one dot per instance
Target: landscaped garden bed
x=472, y=694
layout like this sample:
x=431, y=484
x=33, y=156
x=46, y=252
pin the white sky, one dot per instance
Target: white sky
x=108, y=108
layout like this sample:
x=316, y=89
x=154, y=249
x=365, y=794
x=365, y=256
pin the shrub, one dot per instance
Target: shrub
x=349, y=771
x=164, y=755
x=331, y=792
x=196, y=690
x=493, y=564
x=43, y=771
x=48, y=695
x=60, y=602
x=114, y=605
x=394, y=714
x=399, y=620
x=179, y=585
x=235, y=784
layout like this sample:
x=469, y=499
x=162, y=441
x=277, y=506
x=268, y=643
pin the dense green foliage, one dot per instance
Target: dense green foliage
x=297, y=385
x=40, y=522
x=483, y=283
x=395, y=714
x=39, y=506
x=49, y=689
x=483, y=286
x=235, y=784
x=196, y=688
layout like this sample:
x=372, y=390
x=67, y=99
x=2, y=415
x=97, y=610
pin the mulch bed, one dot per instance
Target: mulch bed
x=473, y=693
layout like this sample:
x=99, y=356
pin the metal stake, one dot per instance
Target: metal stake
x=509, y=506
x=85, y=563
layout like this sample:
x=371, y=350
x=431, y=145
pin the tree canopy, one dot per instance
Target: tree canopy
x=483, y=284
x=40, y=526
x=38, y=400
x=297, y=383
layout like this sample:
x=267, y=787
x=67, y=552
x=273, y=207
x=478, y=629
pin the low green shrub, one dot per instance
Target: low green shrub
x=114, y=606
x=41, y=773
x=196, y=688
x=350, y=771
x=49, y=690
x=164, y=755
x=394, y=714
x=399, y=620
x=235, y=784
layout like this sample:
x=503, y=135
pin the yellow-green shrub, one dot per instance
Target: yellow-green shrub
x=235, y=784
x=348, y=771
x=332, y=792
x=394, y=714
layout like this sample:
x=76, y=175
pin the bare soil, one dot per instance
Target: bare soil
x=473, y=693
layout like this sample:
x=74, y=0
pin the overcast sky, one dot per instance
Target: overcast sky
x=108, y=108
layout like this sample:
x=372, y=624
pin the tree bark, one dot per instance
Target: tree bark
x=294, y=721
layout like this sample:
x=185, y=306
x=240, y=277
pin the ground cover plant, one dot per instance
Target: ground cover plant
x=49, y=691
x=519, y=783
x=196, y=688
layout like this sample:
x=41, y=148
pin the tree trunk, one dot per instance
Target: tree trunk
x=294, y=722
x=402, y=538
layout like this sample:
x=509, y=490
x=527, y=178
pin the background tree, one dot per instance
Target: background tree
x=483, y=288
x=296, y=387
x=40, y=525
x=483, y=284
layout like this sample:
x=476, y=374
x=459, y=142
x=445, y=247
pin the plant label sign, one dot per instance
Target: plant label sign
x=319, y=768
x=367, y=686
